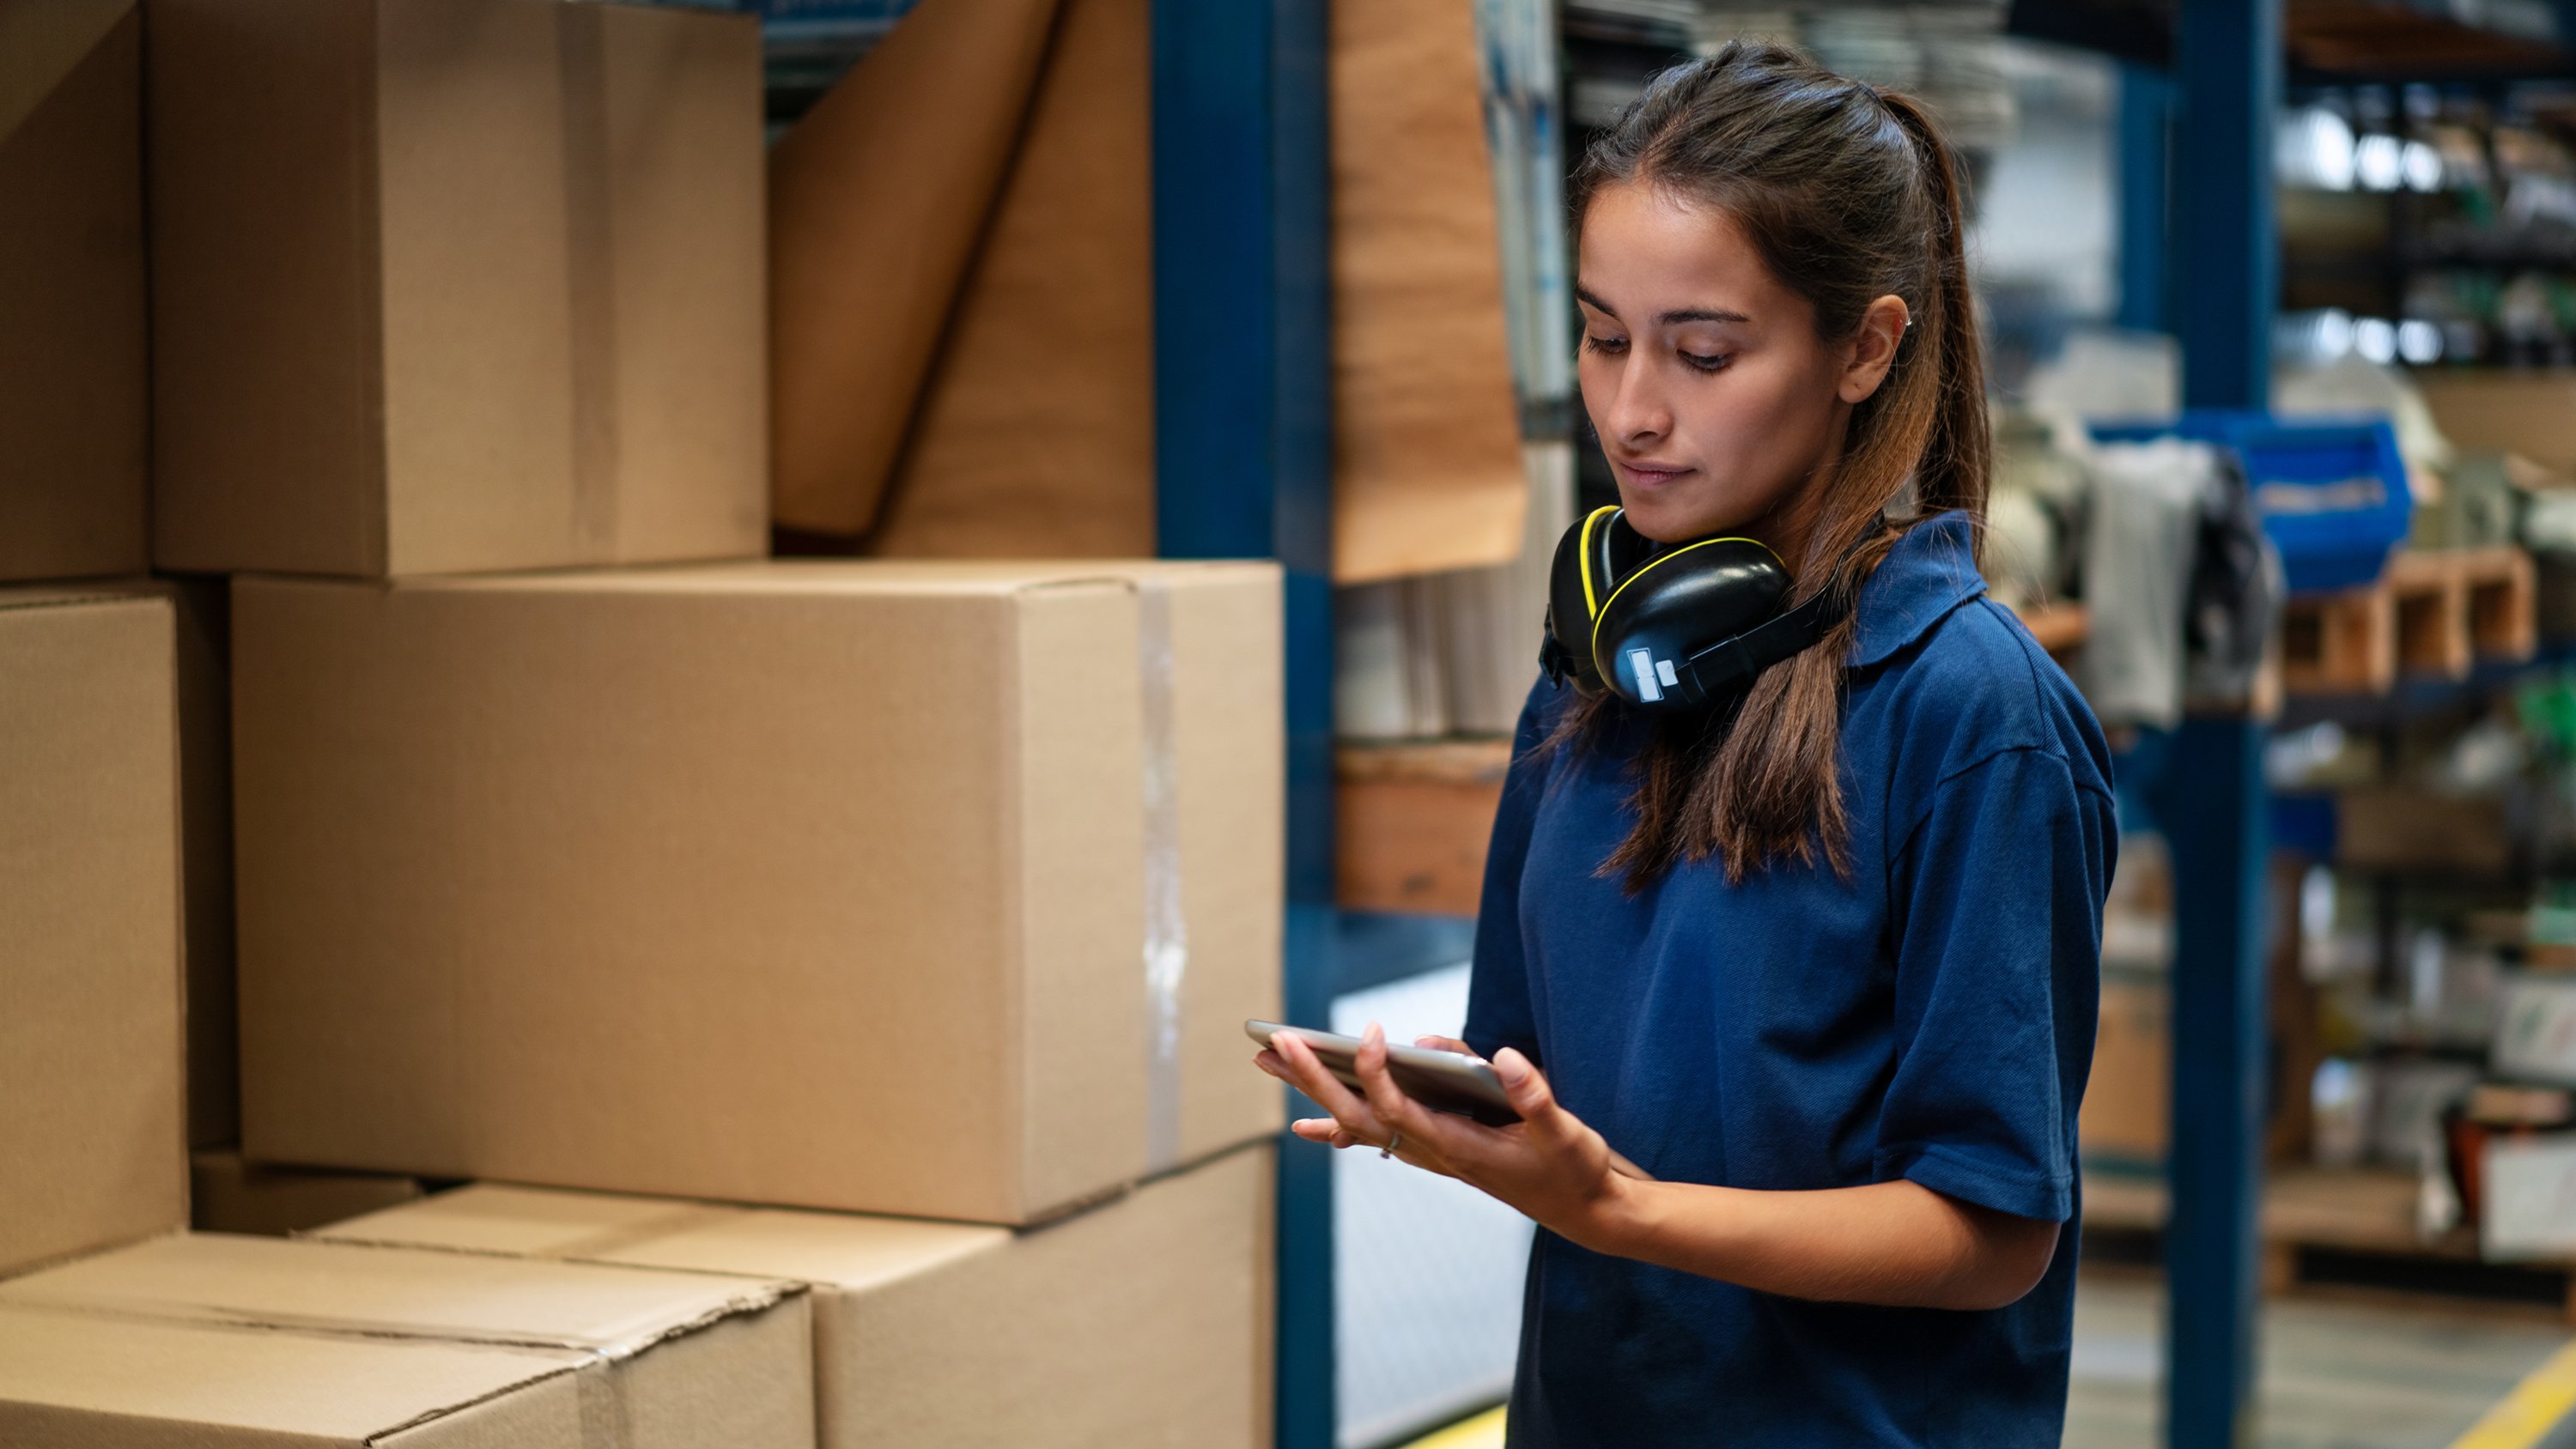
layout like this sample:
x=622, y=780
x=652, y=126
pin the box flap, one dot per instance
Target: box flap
x=529, y=1222
x=395, y=1292
x=837, y=1250
x=58, y=1369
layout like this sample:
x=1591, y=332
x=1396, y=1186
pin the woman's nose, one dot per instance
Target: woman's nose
x=1638, y=413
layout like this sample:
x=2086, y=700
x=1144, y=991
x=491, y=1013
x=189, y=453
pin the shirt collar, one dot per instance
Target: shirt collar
x=1931, y=570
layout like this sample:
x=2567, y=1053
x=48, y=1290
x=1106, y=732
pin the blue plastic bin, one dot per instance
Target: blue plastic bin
x=2332, y=491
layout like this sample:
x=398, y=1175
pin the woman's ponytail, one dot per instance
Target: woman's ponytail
x=1958, y=455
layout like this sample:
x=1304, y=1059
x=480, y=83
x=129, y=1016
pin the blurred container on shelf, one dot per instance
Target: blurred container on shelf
x=2535, y=1036
x=2527, y=1207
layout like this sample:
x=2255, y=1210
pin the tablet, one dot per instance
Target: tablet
x=1444, y=1081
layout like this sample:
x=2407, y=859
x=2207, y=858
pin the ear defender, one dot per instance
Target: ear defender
x=1671, y=628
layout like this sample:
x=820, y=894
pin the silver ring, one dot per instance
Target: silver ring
x=1394, y=1140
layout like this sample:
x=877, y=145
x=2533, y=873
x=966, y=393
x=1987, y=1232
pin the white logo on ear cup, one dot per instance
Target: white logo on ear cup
x=1641, y=663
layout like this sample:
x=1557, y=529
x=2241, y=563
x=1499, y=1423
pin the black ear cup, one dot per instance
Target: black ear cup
x=1648, y=641
x=1581, y=577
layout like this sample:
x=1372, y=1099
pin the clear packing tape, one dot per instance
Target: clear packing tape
x=1167, y=945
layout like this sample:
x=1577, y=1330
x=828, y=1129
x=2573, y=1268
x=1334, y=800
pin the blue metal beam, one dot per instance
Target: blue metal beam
x=2213, y=810
x=2227, y=258
x=2226, y=274
x=1243, y=461
x=2145, y=161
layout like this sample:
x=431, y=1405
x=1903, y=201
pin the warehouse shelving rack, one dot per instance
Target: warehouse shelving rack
x=1243, y=399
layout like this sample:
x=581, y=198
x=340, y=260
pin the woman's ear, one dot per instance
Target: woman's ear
x=1882, y=327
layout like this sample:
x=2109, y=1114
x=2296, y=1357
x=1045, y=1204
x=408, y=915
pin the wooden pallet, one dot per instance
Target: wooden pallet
x=2432, y=614
x=2309, y=1212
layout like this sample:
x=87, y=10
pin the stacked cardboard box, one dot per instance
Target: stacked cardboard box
x=1140, y=1322
x=929, y=889
x=92, y=1146
x=555, y=836
x=71, y=290
x=131, y=1346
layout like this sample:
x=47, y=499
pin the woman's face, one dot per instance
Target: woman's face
x=1714, y=398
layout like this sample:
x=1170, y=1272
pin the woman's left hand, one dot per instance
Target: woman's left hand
x=1553, y=1168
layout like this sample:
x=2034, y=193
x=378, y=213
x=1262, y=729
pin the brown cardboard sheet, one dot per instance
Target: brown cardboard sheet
x=453, y=285
x=229, y=1195
x=1144, y=1321
x=72, y=365
x=877, y=197
x=677, y=1360
x=92, y=1143
x=1426, y=433
x=1035, y=435
x=82, y=1381
x=804, y=883
x=2532, y=412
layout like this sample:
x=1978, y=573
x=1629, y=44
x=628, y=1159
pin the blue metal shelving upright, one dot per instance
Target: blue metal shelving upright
x=1243, y=449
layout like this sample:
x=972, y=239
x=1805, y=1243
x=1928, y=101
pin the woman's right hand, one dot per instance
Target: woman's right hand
x=1618, y=1163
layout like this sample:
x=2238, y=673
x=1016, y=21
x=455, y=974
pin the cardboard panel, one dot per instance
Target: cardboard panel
x=1036, y=431
x=815, y=884
x=90, y=1098
x=876, y=199
x=203, y=614
x=1426, y=432
x=1144, y=1321
x=71, y=289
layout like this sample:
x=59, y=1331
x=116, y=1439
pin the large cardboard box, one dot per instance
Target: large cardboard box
x=92, y=1148
x=919, y=888
x=673, y=1360
x=1144, y=1322
x=71, y=290
x=79, y=1381
x=455, y=285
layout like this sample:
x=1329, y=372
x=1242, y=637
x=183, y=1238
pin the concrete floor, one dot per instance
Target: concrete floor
x=2338, y=1373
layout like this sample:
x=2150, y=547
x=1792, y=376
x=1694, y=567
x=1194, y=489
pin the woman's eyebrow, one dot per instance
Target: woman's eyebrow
x=1701, y=314
x=1669, y=319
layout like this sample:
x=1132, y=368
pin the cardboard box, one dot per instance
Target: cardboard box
x=2128, y=1104
x=2532, y=413
x=76, y=1381
x=919, y=888
x=92, y=1147
x=1141, y=1322
x=71, y=290
x=455, y=285
x=672, y=1359
x=229, y=1195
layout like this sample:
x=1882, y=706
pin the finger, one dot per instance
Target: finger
x=1309, y=1077
x=1385, y=1098
x=1527, y=1089
x=1315, y=1129
x=1445, y=1044
x=1269, y=1062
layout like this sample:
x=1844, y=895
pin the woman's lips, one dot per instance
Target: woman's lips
x=1649, y=475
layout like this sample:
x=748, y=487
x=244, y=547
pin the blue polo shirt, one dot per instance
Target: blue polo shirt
x=1931, y=1018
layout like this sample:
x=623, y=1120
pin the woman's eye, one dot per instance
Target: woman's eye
x=1707, y=362
x=1607, y=346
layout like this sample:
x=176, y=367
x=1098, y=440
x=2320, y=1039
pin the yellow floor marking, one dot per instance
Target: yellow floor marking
x=2538, y=1404
x=1485, y=1431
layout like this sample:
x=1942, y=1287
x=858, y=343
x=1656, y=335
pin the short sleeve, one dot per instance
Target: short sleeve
x=1997, y=898
x=1499, y=1013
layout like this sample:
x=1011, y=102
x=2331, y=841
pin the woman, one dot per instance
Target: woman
x=1796, y=998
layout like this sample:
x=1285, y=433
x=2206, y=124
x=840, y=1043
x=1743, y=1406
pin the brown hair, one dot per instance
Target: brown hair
x=1849, y=193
